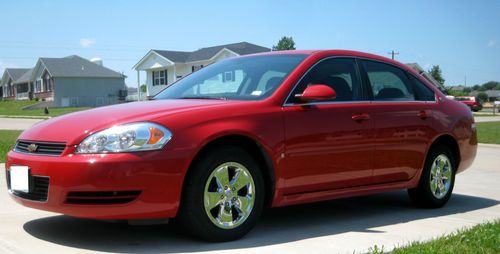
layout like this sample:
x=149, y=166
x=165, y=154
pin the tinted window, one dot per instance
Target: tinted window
x=244, y=78
x=337, y=73
x=388, y=83
x=424, y=93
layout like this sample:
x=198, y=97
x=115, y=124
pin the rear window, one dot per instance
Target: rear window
x=423, y=92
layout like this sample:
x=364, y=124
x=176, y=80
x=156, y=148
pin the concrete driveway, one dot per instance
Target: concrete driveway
x=339, y=226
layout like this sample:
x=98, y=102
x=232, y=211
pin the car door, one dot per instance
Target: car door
x=328, y=144
x=402, y=124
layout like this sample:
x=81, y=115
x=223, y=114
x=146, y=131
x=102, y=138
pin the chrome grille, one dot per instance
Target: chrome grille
x=41, y=148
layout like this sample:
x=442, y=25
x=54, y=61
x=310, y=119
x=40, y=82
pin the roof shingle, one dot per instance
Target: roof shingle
x=75, y=66
x=241, y=48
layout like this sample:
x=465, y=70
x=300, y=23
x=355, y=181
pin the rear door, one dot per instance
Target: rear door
x=328, y=144
x=402, y=123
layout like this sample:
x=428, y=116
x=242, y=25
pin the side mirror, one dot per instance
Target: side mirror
x=317, y=92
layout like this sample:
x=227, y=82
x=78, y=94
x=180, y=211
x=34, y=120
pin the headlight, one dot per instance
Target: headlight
x=132, y=137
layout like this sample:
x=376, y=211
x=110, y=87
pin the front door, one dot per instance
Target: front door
x=329, y=143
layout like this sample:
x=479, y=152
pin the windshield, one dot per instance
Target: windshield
x=244, y=78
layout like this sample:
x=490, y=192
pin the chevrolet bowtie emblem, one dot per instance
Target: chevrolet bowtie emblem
x=32, y=148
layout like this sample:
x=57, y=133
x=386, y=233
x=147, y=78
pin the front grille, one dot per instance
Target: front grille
x=41, y=148
x=101, y=197
x=39, y=188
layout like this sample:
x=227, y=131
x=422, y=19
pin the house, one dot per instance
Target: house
x=69, y=81
x=416, y=67
x=9, y=84
x=163, y=67
x=493, y=95
x=459, y=88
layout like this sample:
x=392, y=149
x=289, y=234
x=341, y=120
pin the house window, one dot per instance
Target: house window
x=47, y=83
x=196, y=67
x=228, y=76
x=159, y=78
x=38, y=86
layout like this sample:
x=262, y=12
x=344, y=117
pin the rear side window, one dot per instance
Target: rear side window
x=423, y=92
x=337, y=73
x=388, y=83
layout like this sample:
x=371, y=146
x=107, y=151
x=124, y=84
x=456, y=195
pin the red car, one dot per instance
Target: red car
x=474, y=103
x=267, y=130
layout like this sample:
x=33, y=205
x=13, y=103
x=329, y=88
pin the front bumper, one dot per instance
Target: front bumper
x=156, y=177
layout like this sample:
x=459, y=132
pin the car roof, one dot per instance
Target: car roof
x=339, y=52
x=334, y=52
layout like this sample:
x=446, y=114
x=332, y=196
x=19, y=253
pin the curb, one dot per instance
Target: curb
x=489, y=145
x=25, y=117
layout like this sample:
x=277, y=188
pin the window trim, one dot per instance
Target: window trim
x=155, y=75
x=286, y=103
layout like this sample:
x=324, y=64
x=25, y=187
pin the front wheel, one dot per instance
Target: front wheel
x=223, y=196
x=437, y=179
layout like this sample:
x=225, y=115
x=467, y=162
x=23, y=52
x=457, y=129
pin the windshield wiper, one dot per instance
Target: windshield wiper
x=203, y=97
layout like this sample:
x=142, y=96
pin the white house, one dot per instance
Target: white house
x=163, y=67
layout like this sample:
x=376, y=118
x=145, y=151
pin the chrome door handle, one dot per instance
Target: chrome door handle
x=422, y=114
x=360, y=117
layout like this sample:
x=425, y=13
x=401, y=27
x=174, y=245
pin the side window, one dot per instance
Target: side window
x=388, y=83
x=337, y=73
x=424, y=93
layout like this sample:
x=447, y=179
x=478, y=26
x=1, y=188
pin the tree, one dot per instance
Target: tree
x=285, y=43
x=482, y=96
x=467, y=90
x=436, y=73
x=143, y=88
x=490, y=85
x=476, y=87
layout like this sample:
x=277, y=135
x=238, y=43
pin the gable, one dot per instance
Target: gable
x=152, y=61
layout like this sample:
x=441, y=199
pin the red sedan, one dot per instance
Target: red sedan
x=265, y=130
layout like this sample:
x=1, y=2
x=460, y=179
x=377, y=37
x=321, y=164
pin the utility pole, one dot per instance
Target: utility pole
x=465, y=79
x=392, y=53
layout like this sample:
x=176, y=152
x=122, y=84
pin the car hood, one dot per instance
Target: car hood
x=73, y=128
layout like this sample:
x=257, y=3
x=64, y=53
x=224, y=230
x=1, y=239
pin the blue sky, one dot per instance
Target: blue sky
x=463, y=37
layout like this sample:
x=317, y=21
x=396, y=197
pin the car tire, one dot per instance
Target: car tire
x=437, y=179
x=213, y=212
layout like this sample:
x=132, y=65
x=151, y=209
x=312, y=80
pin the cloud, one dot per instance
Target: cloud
x=86, y=42
x=491, y=43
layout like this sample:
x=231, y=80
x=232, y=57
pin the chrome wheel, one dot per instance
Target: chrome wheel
x=441, y=176
x=229, y=195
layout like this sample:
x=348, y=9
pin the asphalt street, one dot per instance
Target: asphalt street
x=339, y=226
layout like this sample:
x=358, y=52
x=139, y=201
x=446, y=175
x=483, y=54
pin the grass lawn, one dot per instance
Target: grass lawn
x=488, y=132
x=7, y=141
x=13, y=108
x=483, y=238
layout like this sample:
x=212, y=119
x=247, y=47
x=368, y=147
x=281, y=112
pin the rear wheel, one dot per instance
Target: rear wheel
x=223, y=196
x=437, y=179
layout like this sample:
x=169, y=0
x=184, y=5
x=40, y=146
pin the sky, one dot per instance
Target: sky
x=462, y=37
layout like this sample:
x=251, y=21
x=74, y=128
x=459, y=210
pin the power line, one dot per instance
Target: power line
x=392, y=53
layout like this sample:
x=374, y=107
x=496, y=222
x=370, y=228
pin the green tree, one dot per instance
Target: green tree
x=483, y=96
x=490, y=85
x=143, y=88
x=476, y=87
x=436, y=73
x=467, y=90
x=285, y=43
